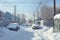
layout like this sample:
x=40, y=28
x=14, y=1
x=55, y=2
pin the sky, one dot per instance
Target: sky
x=25, y=8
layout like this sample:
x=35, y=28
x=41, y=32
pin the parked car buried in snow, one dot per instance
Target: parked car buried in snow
x=13, y=26
x=35, y=26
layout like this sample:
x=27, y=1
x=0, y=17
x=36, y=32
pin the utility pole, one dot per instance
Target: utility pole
x=34, y=16
x=54, y=7
x=54, y=3
x=19, y=18
x=15, y=13
x=37, y=14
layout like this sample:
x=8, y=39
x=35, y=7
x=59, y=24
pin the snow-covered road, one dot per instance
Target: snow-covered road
x=27, y=33
x=22, y=34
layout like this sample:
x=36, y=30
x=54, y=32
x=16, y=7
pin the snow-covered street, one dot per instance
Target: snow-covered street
x=22, y=34
x=29, y=19
x=27, y=33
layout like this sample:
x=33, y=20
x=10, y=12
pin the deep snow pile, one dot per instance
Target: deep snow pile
x=46, y=34
x=40, y=35
x=57, y=16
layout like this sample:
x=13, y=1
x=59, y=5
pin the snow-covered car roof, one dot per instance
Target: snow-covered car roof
x=35, y=25
x=12, y=25
x=57, y=16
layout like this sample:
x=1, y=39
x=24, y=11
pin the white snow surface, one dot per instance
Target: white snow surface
x=22, y=34
x=57, y=16
x=27, y=33
x=12, y=25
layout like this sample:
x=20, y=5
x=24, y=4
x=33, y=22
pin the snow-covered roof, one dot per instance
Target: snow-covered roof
x=57, y=16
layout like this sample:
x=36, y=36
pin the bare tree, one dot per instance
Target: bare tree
x=46, y=12
x=47, y=15
x=23, y=18
x=1, y=18
x=57, y=10
x=18, y=20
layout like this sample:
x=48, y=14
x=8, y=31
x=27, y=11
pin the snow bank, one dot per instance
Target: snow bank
x=46, y=34
x=57, y=16
x=56, y=36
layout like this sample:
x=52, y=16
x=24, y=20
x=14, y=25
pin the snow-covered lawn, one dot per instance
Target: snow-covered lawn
x=27, y=33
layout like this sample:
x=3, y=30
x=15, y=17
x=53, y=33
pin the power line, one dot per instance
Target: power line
x=8, y=3
x=38, y=6
x=14, y=12
x=36, y=10
x=21, y=2
x=41, y=3
x=5, y=5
